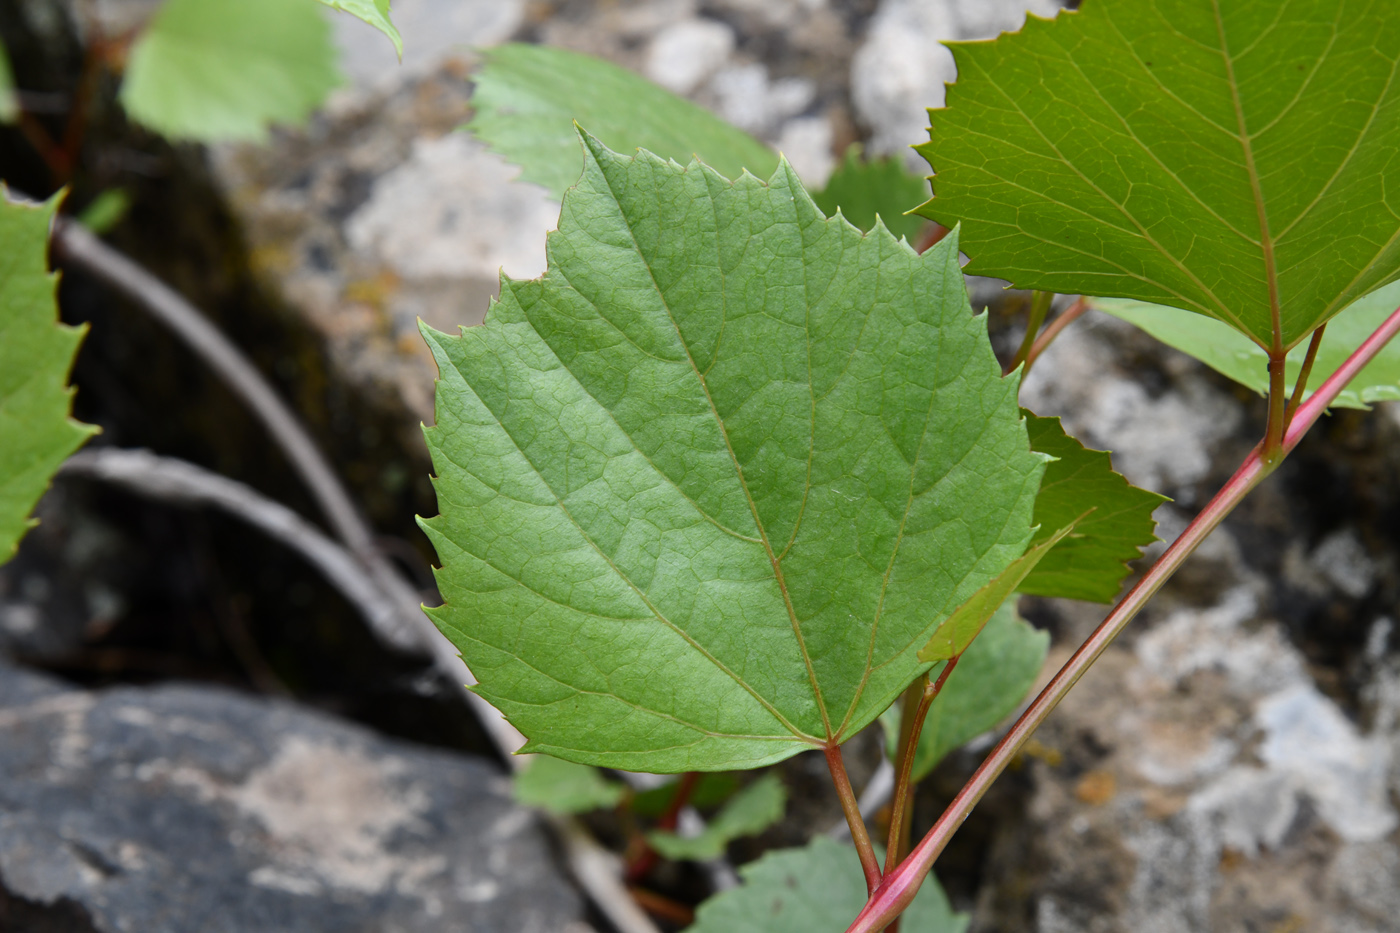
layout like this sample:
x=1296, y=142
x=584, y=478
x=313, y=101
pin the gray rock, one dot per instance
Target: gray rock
x=182, y=808
x=687, y=52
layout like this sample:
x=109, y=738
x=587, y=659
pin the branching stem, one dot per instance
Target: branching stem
x=917, y=701
x=897, y=889
x=1040, y=306
x=851, y=808
x=1272, y=451
x=1301, y=385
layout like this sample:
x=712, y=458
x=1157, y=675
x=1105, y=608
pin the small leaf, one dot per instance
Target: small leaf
x=564, y=787
x=710, y=791
x=748, y=813
x=958, y=631
x=708, y=484
x=1091, y=563
x=1231, y=157
x=818, y=888
x=36, y=353
x=993, y=676
x=1242, y=360
x=866, y=188
x=374, y=12
x=528, y=98
x=9, y=102
x=212, y=70
x=106, y=210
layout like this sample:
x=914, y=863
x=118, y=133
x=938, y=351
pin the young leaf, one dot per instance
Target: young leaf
x=9, y=103
x=564, y=787
x=374, y=12
x=749, y=812
x=818, y=888
x=1091, y=563
x=528, y=98
x=992, y=678
x=866, y=188
x=1230, y=157
x=36, y=352
x=211, y=70
x=965, y=624
x=710, y=482
x=1243, y=361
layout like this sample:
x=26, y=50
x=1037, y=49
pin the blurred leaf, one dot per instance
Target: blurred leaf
x=710, y=791
x=818, y=888
x=993, y=676
x=374, y=12
x=690, y=473
x=564, y=787
x=9, y=103
x=863, y=189
x=1232, y=157
x=106, y=210
x=212, y=70
x=1092, y=562
x=1242, y=360
x=528, y=98
x=36, y=353
x=747, y=813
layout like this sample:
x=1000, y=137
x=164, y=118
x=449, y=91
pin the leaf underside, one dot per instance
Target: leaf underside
x=815, y=889
x=1242, y=360
x=709, y=484
x=36, y=352
x=212, y=70
x=1229, y=157
x=993, y=676
x=528, y=98
x=374, y=12
x=1089, y=564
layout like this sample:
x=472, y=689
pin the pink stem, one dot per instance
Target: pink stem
x=898, y=887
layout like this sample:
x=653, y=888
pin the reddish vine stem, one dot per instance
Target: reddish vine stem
x=897, y=889
x=1068, y=317
x=1278, y=393
x=851, y=808
x=1302, y=384
x=646, y=858
x=910, y=726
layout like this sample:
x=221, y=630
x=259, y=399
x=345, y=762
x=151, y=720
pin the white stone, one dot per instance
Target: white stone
x=681, y=56
x=1345, y=564
x=806, y=141
x=751, y=101
x=434, y=31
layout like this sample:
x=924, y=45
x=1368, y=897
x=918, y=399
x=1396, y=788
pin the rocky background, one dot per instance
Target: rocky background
x=196, y=733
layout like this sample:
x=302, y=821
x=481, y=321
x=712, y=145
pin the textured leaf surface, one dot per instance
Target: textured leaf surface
x=565, y=787
x=225, y=69
x=749, y=812
x=528, y=98
x=993, y=676
x=36, y=352
x=709, y=484
x=864, y=189
x=816, y=889
x=1242, y=360
x=1213, y=155
x=1091, y=562
x=374, y=12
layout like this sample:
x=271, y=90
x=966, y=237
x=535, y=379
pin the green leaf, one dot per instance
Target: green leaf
x=708, y=484
x=958, y=631
x=710, y=791
x=36, y=352
x=750, y=812
x=816, y=889
x=864, y=189
x=9, y=103
x=106, y=210
x=993, y=676
x=1091, y=563
x=528, y=98
x=374, y=12
x=211, y=70
x=1203, y=154
x=1243, y=361
x=564, y=787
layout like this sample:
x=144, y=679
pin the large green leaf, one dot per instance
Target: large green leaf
x=225, y=69
x=528, y=98
x=992, y=678
x=1206, y=154
x=749, y=812
x=709, y=484
x=1242, y=360
x=374, y=12
x=36, y=352
x=863, y=189
x=1092, y=562
x=816, y=889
